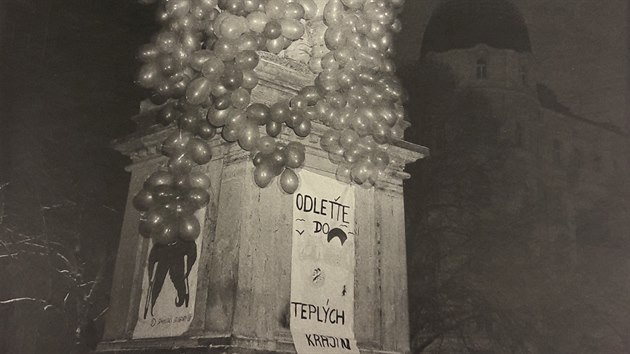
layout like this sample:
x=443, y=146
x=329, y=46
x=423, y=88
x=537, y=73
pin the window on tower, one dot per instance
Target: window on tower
x=482, y=69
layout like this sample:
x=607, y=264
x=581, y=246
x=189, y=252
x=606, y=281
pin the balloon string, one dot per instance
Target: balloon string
x=146, y=301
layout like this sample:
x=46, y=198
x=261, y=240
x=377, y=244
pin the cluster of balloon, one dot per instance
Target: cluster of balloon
x=279, y=160
x=200, y=68
x=362, y=98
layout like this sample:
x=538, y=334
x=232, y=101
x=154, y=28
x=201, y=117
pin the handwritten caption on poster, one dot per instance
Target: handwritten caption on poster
x=169, y=286
x=322, y=266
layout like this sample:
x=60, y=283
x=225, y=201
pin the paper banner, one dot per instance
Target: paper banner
x=169, y=286
x=322, y=266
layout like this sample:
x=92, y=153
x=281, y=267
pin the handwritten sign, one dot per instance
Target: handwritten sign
x=322, y=267
x=169, y=285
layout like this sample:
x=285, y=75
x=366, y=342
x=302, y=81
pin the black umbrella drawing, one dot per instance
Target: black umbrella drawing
x=339, y=233
x=176, y=259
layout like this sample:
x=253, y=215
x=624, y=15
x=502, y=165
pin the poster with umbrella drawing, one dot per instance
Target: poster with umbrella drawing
x=322, y=266
x=169, y=285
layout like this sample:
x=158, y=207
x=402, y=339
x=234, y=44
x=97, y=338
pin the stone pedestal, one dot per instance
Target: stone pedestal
x=244, y=271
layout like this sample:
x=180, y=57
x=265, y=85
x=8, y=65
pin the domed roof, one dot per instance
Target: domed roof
x=461, y=24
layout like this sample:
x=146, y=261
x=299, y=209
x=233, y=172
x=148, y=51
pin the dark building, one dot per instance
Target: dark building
x=526, y=203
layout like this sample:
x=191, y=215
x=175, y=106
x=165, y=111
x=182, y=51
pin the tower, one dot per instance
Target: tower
x=233, y=290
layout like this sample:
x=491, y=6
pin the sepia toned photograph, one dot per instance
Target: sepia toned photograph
x=315, y=176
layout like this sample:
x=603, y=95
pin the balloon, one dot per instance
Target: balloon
x=348, y=138
x=294, y=11
x=333, y=13
x=291, y=29
x=315, y=64
x=225, y=49
x=149, y=75
x=329, y=139
x=198, y=197
x=232, y=77
x=257, y=21
x=167, y=114
x=248, y=136
x=223, y=101
x=198, y=90
x=188, y=227
x=218, y=118
x=266, y=145
x=295, y=119
x=247, y=60
x=165, y=41
x=279, y=111
x=361, y=172
x=236, y=119
x=346, y=80
x=250, y=80
x=179, y=88
x=273, y=128
x=219, y=90
x=263, y=175
x=353, y=4
x=303, y=129
x=311, y=94
x=275, y=9
x=336, y=99
x=198, y=180
x=258, y=159
x=310, y=9
x=147, y=53
x=199, y=57
x=275, y=46
x=205, y=130
x=164, y=194
x=344, y=55
x=190, y=41
x=273, y=30
x=159, y=178
x=354, y=153
x=180, y=165
x=180, y=206
x=295, y=153
x=259, y=113
x=250, y=5
x=176, y=143
x=199, y=151
x=164, y=233
x=380, y=131
x=233, y=26
x=380, y=158
x=343, y=173
x=289, y=181
x=247, y=41
x=240, y=98
x=298, y=102
x=177, y=8
x=143, y=201
x=234, y=6
x=230, y=133
x=189, y=121
x=153, y=219
x=277, y=161
x=212, y=68
x=335, y=37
